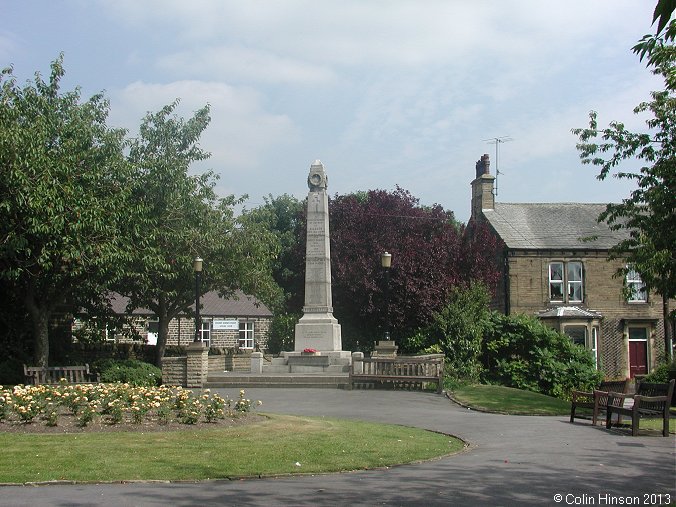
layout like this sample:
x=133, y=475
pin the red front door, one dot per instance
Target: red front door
x=638, y=358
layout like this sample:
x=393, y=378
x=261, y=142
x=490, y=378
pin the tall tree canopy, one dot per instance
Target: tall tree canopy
x=284, y=217
x=649, y=212
x=177, y=217
x=64, y=180
x=430, y=256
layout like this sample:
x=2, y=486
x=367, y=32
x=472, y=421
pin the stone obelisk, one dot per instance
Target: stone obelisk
x=318, y=329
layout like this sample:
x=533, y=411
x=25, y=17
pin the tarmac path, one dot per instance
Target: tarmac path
x=511, y=461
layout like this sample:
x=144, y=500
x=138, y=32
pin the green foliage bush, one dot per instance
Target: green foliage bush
x=520, y=351
x=663, y=373
x=11, y=372
x=457, y=331
x=282, y=333
x=130, y=371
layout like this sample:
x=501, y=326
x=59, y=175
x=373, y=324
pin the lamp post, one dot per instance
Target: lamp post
x=197, y=267
x=386, y=263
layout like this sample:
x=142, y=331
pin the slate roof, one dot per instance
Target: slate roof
x=213, y=305
x=571, y=312
x=552, y=226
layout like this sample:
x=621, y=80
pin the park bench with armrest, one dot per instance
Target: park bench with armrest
x=36, y=375
x=597, y=399
x=650, y=401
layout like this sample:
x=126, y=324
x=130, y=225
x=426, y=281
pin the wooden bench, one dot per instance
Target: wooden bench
x=408, y=371
x=597, y=399
x=650, y=400
x=36, y=375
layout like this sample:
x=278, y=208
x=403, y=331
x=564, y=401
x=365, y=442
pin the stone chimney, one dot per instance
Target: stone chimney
x=482, y=188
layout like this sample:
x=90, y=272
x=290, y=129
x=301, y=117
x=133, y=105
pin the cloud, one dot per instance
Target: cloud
x=394, y=33
x=7, y=46
x=239, y=63
x=241, y=132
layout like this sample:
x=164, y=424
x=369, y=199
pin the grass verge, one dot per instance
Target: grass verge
x=507, y=400
x=279, y=445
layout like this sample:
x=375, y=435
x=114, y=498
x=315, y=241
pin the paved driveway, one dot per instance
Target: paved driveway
x=512, y=460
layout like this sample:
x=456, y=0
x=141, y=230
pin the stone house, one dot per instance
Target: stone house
x=240, y=322
x=554, y=265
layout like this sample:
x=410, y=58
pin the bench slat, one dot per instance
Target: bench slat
x=79, y=374
x=405, y=370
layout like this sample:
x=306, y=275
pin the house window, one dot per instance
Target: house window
x=568, y=276
x=636, y=289
x=205, y=332
x=594, y=345
x=556, y=281
x=246, y=335
x=153, y=331
x=580, y=336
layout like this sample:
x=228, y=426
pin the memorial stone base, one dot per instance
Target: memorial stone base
x=322, y=335
x=325, y=362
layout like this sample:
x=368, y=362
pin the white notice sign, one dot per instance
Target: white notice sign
x=225, y=324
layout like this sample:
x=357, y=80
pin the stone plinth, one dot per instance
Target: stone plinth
x=256, y=362
x=308, y=364
x=319, y=334
x=358, y=362
x=309, y=361
x=385, y=348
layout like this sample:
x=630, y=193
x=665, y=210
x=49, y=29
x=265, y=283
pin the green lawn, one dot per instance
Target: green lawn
x=507, y=400
x=278, y=445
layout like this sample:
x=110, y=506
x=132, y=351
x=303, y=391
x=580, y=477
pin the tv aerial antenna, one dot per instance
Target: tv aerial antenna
x=497, y=141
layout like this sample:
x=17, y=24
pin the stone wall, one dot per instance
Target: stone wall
x=174, y=371
x=238, y=362
x=187, y=371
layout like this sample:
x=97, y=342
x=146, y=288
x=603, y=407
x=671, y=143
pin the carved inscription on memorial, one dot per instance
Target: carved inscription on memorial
x=316, y=228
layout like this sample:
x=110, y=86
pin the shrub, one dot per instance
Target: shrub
x=129, y=371
x=11, y=372
x=663, y=373
x=282, y=332
x=521, y=352
x=457, y=331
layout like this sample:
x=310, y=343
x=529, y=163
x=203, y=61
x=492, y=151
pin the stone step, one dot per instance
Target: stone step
x=277, y=380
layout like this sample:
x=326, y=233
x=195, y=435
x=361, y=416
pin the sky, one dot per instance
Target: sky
x=385, y=93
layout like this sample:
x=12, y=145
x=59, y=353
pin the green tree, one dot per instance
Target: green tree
x=458, y=329
x=284, y=216
x=177, y=217
x=648, y=214
x=64, y=182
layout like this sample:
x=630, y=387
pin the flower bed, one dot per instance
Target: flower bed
x=115, y=405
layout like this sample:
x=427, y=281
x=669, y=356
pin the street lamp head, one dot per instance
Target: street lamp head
x=197, y=265
x=386, y=260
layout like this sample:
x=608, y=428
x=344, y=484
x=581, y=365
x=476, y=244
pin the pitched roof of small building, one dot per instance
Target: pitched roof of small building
x=239, y=305
x=571, y=312
x=552, y=226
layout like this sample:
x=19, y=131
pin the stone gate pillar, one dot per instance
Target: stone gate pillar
x=197, y=366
